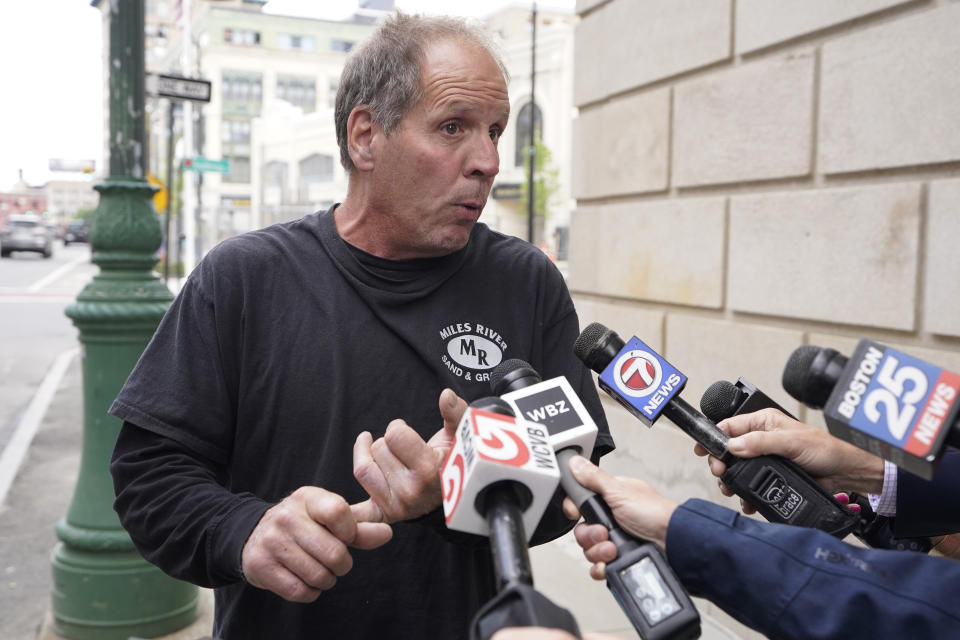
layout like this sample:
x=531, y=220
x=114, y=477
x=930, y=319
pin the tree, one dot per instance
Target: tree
x=546, y=182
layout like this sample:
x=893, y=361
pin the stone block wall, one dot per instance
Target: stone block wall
x=751, y=176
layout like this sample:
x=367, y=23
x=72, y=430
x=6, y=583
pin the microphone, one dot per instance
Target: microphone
x=887, y=402
x=723, y=399
x=496, y=481
x=648, y=386
x=643, y=583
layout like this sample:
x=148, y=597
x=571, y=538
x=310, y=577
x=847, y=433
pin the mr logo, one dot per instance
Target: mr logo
x=472, y=349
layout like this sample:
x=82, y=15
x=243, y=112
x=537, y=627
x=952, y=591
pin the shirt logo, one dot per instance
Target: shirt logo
x=637, y=373
x=472, y=350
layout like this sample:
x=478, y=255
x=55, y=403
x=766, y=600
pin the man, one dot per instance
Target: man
x=290, y=348
x=784, y=581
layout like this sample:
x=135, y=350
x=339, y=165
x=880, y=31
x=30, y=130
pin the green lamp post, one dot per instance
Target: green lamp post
x=102, y=588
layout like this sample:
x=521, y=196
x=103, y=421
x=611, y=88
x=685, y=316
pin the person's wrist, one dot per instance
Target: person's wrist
x=864, y=471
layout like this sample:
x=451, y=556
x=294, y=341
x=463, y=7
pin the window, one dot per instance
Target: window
x=234, y=131
x=341, y=46
x=239, y=170
x=523, y=131
x=289, y=41
x=241, y=37
x=242, y=92
x=314, y=169
x=299, y=91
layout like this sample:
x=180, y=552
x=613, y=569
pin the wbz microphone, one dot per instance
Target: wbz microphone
x=642, y=581
x=724, y=399
x=647, y=385
x=889, y=403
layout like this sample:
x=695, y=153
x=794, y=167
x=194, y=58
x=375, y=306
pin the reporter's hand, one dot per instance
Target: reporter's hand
x=400, y=471
x=636, y=506
x=299, y=547
x=835, y=464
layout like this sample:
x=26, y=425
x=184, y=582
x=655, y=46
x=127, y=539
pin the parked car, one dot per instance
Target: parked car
x=77, y=231
x=25, y=233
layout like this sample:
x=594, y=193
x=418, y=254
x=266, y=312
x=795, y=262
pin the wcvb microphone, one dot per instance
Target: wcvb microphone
x=642, y=581
x=887, y=402
x=497, y=480
x=647, y=385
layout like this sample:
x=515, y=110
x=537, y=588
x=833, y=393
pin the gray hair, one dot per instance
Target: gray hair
x=384, y=72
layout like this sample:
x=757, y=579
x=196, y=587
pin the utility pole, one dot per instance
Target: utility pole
x=103, y=589
x=532, y=150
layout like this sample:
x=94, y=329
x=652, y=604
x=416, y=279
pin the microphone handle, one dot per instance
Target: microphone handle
x=700, y=428
x=508, y=538
x=643, y=583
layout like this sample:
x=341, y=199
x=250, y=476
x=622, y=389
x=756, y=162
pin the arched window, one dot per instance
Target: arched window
x=523, y=130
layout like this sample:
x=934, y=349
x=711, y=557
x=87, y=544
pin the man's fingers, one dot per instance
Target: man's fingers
x=452, y=407
x=371, y=535
x=365, y=469
x=403, y=449
x=367, y=511
x=333, y=512
x=288, y=586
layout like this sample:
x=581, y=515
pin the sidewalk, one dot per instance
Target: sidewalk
x=38, y=497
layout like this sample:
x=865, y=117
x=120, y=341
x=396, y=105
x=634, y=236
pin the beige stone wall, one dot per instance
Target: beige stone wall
x=751, y=176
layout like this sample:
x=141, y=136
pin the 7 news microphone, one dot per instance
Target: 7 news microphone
x=887, y=402
x=724, y=399
x=641, y=580
x=648, y=386
x=497, y=481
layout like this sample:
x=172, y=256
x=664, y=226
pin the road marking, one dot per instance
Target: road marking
x=13, y=299
x=16, y=449
x=50, y=277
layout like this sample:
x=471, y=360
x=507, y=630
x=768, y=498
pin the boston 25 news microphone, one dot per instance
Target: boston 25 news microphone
x=892, y=404
x=497, y=480
x=642, y=581
x=648, y=386
x=724, y=399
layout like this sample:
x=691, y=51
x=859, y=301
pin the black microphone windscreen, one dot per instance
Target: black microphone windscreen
x=720, y=400
x=589, y=339
x=493, y=404
x=596, y=346
x=512, y=374
x=796, y=372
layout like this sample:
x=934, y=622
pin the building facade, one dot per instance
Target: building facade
x=754, y=176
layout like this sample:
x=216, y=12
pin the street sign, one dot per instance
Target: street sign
x=199, y=163
x=507, y=191
x=178, y=87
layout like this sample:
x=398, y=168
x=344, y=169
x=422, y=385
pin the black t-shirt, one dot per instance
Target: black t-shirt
x=286, y=343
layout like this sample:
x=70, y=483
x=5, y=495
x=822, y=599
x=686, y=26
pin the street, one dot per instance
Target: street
x=33, y=328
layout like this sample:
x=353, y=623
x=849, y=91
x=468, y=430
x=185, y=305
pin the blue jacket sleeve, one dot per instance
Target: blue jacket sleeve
x=792, y=582
x=929, y=508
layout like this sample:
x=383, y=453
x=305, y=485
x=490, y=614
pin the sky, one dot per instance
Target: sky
x=51, y=69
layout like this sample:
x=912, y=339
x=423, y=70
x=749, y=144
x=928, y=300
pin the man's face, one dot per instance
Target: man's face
x=433, y=173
